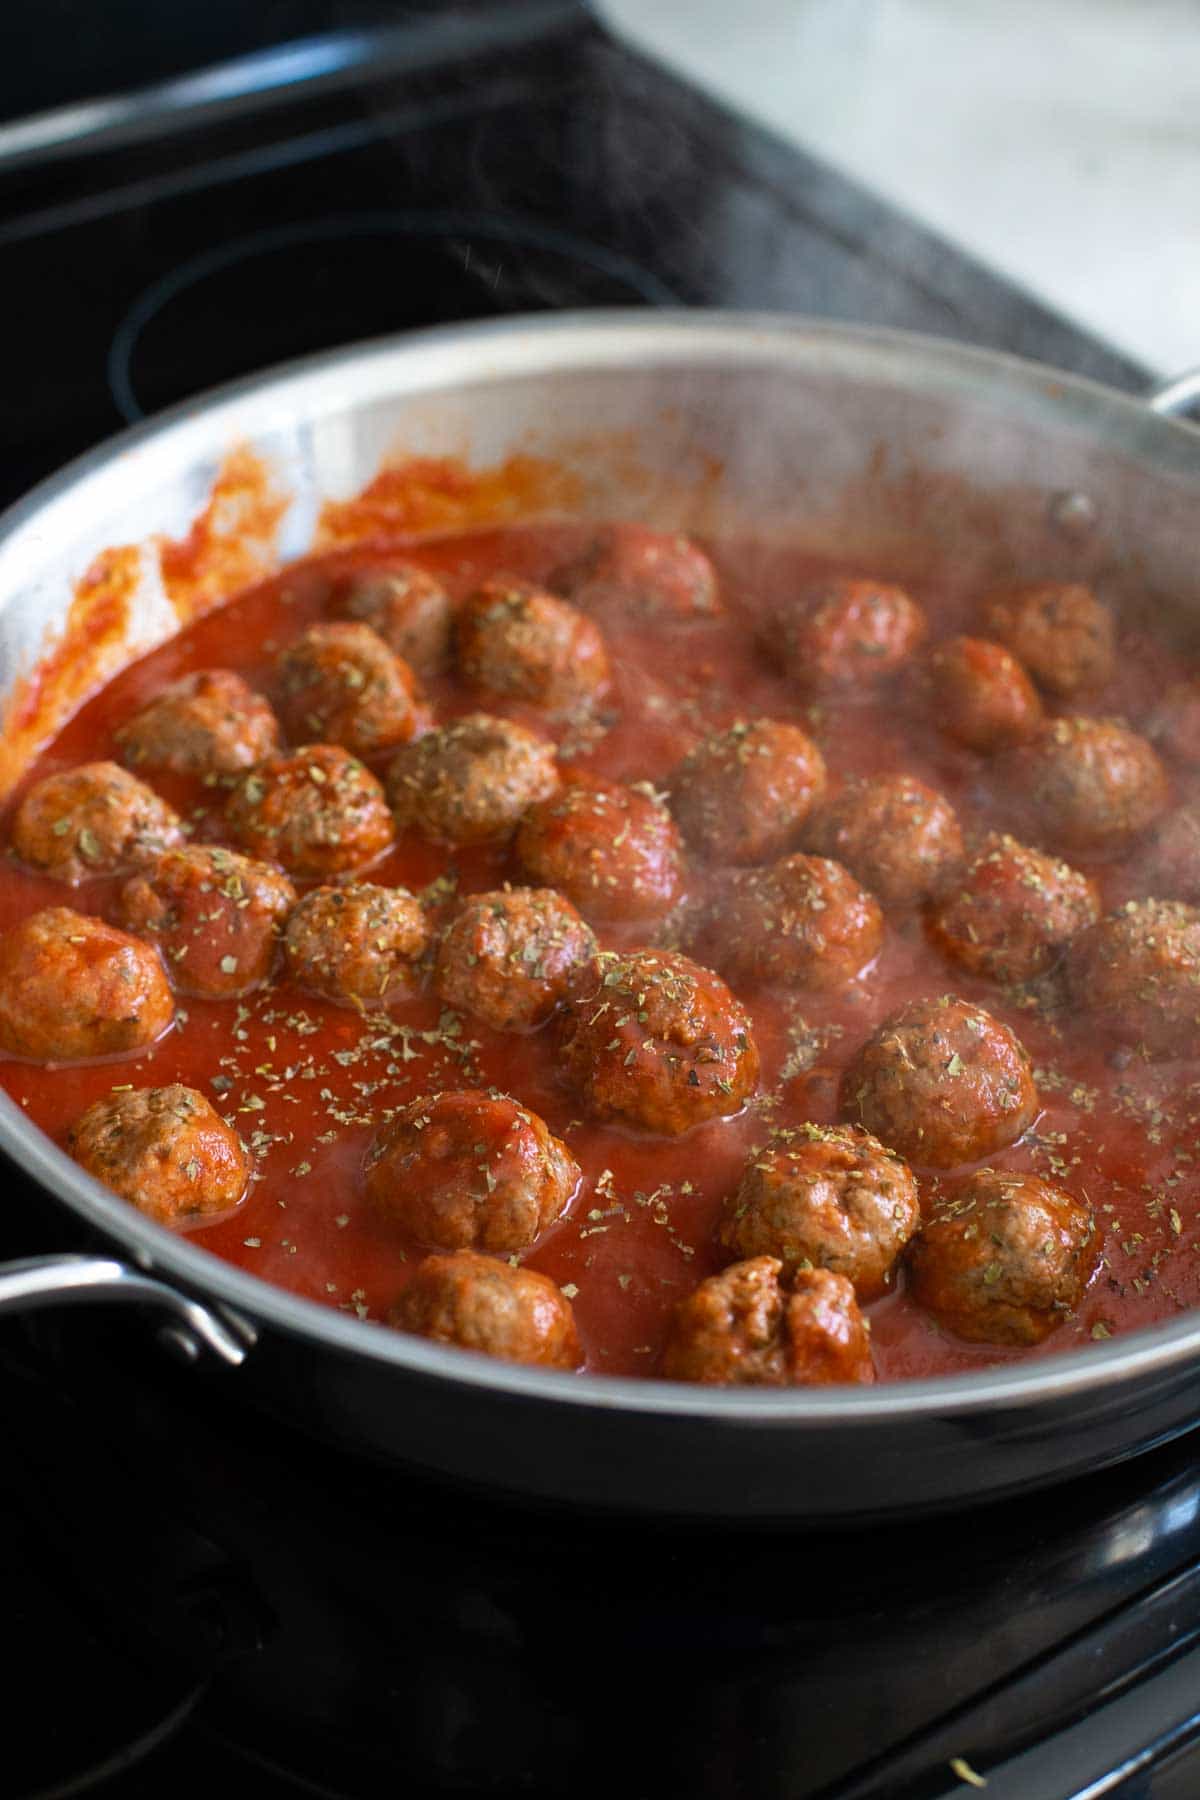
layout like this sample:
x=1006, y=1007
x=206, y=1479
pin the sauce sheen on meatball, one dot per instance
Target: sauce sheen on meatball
x=73, y=989
x=1014, y=913
x=318, y=811
x=208, y=723
x=802, y=923
x=742, y=794
x=850, y=631
x=215, y=917
x=165, y=1151
x=520, y=642
x=474, y=1302
x=898, y=836
x=509, y=956
x=744, y=1328
x=470, y=782
x=359, y=945
x=92, y=820
x=614, y=852
x=339, y=683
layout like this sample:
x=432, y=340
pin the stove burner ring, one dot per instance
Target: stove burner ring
x=511, y=231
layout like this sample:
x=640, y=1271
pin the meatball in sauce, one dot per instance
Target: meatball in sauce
x=89, y=821
x=166, y=1151
x=745, y=1328
x=73, y=989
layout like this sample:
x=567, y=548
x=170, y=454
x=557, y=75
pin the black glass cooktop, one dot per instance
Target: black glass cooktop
x=199, y=1603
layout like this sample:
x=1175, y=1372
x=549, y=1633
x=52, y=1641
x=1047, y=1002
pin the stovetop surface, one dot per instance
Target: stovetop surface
x=202, y=1600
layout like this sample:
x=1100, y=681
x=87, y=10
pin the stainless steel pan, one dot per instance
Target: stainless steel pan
x=875, y=441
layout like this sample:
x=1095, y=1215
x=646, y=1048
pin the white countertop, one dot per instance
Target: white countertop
x=1057, y=140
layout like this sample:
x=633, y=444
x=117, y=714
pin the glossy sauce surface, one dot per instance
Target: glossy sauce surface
x=306, y=1083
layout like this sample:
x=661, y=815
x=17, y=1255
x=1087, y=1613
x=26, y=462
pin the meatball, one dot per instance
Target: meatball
x=803, y=923
x=93, y=820
x=742, y=795
x=509, y=957
x=1092, y=785
x=828, y=1199
x=983, y=697
x=849, y=632
x=208, y=723
x=359, y=945
x=1059, y=630
x=215, y=916
x=340, y=684
x=611, y=849
x=469, y=1171
x=943, y=1083
x=1137, y=974
x=410, y=610
x=479, y=1303
x=1005, y=1260
x=742, y=1328
x=522, y=643
x=318, y=811
x=165, y=1151
x=1169, y=866
x=1174, y=725
x=1014, y=912
x=73, y=988
x=631, y=569
x=899, y=837
x=655, y=1040
x=470, y=781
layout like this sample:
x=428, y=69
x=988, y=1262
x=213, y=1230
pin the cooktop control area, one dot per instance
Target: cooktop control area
x=202, y=1602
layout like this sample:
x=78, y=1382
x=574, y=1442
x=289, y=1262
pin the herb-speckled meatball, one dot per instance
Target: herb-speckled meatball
x=475, y=1302
x=744, y=1328
x=632, y=570
x=802, y=923
x=469, y=1170
x=215, y=916
x=943, y=1083
x=1093, y=785
x=1169, y=864
x=359, y=945
x=1005, y=1260
x=900, y=838
x=1014, y=913
x=165, y=1151
x=469, y=782
x=340, y=684
x=742, y=795
x=1137, y=973
x=982, y=695
x=73, y=988
x=521, y=643
x=509, y=957
x=207, y=723
x=656, y=1040
x=826, y=1198
x=611, y=849
x=849, y=632
x=409, y=609
x=318, y=811
x=1059, y=630
x=93, y=820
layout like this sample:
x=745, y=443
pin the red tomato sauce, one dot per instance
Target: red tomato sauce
x=307, y=1083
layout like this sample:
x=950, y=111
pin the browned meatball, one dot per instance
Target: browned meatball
x=1014, y=912
x=1005, y=1260
x=982, y=695
x=612, y=850
x=522, y=643
x=943, y=1083
x=215, y=916
x=631, y=569
x=469, y=1171
x=1092, y=784
x=73, y=988
x=165, y=1151
x=802, y=923
x=654, y=1039
x=849, y=632
x=359, y=945
x=479, y=1303
x=899, y=837
x=1059, y=630
x=208, y=723
x=340, y=684
x=318, y=811
x=470, y=781
x=409, y=608
x=742, y=795
x=1137, y=973
x=1169, y=866
x=93, y=820
x=827, y=1198
x=742, y=1328
x=509, y=957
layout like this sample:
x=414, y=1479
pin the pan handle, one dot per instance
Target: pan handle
x=1177, y=395
x=41, y=1281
